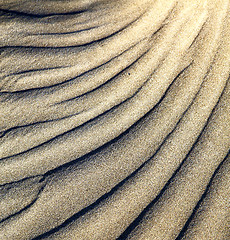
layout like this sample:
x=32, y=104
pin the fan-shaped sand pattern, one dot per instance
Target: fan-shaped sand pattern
x=115, y=119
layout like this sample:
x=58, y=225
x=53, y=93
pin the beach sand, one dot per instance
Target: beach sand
x=115, y=120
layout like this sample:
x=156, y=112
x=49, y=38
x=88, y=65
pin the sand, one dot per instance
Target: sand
x=115, y=120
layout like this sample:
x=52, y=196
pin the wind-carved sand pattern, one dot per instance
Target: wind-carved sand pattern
x=115, y=119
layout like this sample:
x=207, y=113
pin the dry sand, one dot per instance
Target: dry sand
x=115, y=119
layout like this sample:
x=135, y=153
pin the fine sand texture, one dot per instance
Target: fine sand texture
x=115, y=119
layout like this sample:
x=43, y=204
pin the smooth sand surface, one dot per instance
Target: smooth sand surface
x=115, y=119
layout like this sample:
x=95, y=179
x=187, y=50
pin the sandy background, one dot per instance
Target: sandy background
x=114, y=119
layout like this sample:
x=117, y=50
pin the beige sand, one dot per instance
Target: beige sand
x=115, y=119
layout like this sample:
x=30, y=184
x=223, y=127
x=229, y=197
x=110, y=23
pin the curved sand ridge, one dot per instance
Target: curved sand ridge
x=115, y=119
